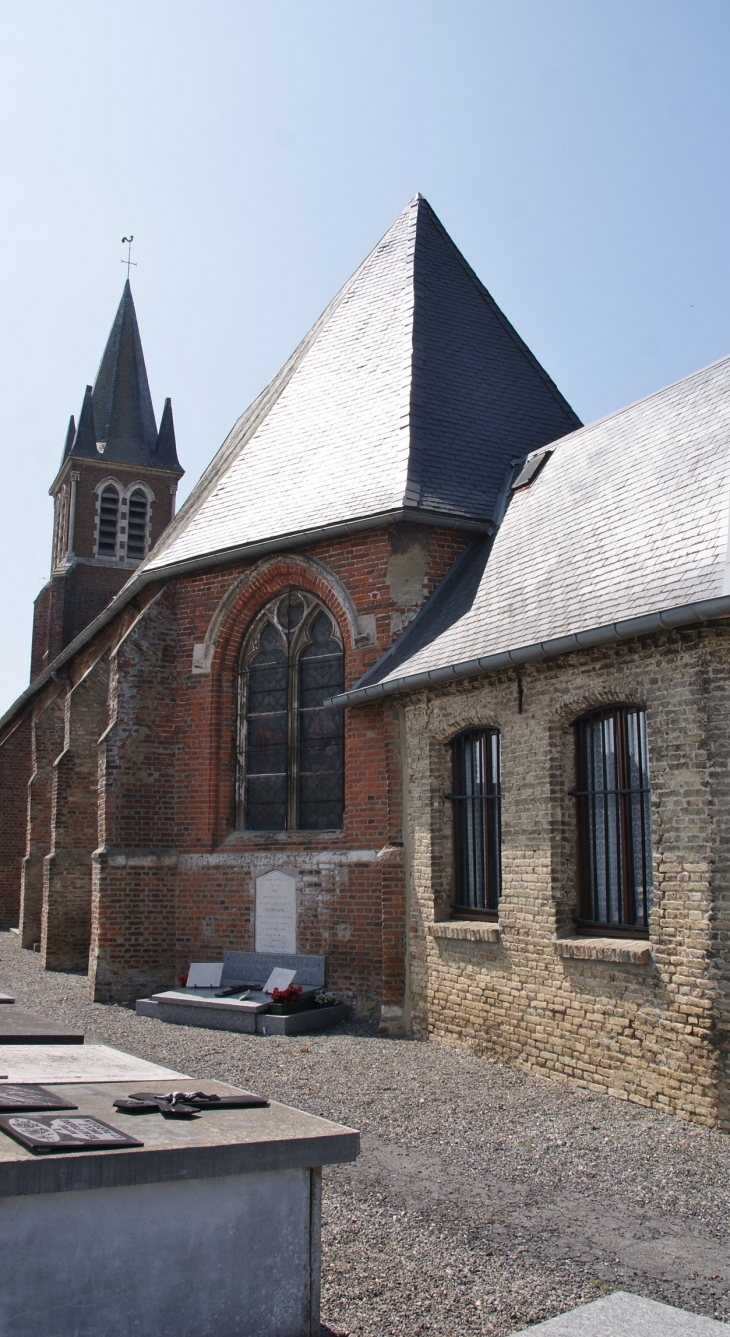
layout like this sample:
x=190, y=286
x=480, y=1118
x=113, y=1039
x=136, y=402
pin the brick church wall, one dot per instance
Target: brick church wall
x=47, y=731
x=15, y=767
x=66, y=915
x=134, y=866
x=655, y=1033
x=350, y=886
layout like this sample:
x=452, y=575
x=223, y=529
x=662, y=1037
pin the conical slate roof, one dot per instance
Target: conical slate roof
x=409, y=396
x=117, y=421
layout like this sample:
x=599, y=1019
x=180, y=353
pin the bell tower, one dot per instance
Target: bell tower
x=113, y=496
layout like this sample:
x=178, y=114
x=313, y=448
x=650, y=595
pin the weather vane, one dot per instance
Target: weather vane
x=129, y=261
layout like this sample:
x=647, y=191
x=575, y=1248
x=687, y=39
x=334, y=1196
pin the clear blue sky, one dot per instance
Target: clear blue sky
x=576, y=150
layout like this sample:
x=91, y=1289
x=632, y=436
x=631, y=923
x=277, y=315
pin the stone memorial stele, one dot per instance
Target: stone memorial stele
x=276, y=913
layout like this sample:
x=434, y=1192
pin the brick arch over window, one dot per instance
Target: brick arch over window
x=290, y=746
x=270, y=574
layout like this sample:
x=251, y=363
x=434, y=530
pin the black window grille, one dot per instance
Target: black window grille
x=477, y=814
x=108, y=522
x=614, y=821
x=137, y=525
x=291, y=752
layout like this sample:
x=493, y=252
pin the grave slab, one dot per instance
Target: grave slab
x=211, y=1227
x=46, y=1064
x=255, y=968
x=625, y=1315
x=18, y=1027
x=6, y=998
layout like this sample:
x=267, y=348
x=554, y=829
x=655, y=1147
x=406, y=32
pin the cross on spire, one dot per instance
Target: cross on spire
x=129, y=261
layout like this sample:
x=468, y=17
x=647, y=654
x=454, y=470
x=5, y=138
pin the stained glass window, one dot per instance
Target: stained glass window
x=291, y=754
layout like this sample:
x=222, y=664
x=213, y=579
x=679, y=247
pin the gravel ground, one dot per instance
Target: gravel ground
x=484, y=1199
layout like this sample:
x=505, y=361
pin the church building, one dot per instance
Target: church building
x=453, y=662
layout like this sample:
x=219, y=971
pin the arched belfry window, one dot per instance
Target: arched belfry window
x=291, y=746
x=137, y=525
x=108, y=522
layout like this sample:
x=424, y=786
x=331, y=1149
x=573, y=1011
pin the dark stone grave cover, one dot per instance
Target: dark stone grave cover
x=48, y=1133
x=23, y=1099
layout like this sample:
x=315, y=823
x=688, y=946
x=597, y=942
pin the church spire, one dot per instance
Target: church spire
x=122, y=428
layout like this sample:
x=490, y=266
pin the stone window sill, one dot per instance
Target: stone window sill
x=623, y=951
x=466, y=930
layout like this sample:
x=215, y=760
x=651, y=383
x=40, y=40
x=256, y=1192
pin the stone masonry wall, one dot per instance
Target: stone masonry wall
x=645, y=1025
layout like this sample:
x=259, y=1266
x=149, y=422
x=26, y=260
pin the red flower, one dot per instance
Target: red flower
x=291, y=994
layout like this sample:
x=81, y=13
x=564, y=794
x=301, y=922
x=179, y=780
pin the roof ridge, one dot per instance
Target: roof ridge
x=643, y=399
x=258, y=410
x=504, y=321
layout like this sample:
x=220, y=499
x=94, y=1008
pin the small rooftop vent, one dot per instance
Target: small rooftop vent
x=531, y=468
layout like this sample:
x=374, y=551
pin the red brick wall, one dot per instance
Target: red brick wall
x=15, y=767
x=173, y=879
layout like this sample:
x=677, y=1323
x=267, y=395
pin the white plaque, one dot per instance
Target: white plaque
x=276, y=913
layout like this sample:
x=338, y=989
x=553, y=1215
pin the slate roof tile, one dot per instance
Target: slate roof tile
x=412, y=390
x=629, y=517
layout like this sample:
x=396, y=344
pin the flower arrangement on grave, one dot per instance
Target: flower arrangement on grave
x=325, y=998
x=286, y=1000
x=182, y=980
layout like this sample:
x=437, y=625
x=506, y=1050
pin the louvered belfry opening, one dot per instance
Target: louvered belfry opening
x=137, y=525
x=476, y=803
x=291, y=748
x=108, y=522
x=614, y=821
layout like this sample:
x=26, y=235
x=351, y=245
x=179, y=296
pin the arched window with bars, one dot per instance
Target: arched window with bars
x=477, y=811
x=137, y=520
x=106, y=545
x=291, y=746
x=614, y=821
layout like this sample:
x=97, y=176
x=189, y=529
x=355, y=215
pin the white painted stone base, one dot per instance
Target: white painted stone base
x=236, y=1256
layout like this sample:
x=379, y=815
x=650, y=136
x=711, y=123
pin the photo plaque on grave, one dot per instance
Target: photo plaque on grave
x=276, y=913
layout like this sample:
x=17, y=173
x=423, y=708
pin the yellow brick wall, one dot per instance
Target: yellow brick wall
x=654, y=1033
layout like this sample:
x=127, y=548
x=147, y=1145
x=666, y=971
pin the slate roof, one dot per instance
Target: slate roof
x=412, y=391
x=118, y=410
x=623, y=529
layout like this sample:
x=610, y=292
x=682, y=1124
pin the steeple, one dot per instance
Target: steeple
x=117, y=417
x=114, y=494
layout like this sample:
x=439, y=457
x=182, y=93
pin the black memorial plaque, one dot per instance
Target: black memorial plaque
x=48, y=1133
x=24, y=1099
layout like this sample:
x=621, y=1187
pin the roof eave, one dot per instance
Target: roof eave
x=704, y=610
x=226, y=557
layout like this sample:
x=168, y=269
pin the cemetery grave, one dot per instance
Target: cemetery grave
x=218, y=1223
x=484, y=1200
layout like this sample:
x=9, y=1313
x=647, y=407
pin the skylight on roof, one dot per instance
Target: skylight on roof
x=531, y=468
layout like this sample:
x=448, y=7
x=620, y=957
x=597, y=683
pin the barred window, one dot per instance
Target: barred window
x=477, y=813
x=108, y=522
x=137, y=525
x=291, y=748
x=614, y=820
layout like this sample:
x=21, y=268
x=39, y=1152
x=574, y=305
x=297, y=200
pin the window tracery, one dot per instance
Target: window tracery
x=291, y=747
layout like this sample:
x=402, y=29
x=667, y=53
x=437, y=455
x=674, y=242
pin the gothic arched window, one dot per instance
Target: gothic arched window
x=137, y=525
x=291, y=747
x=108, y=522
